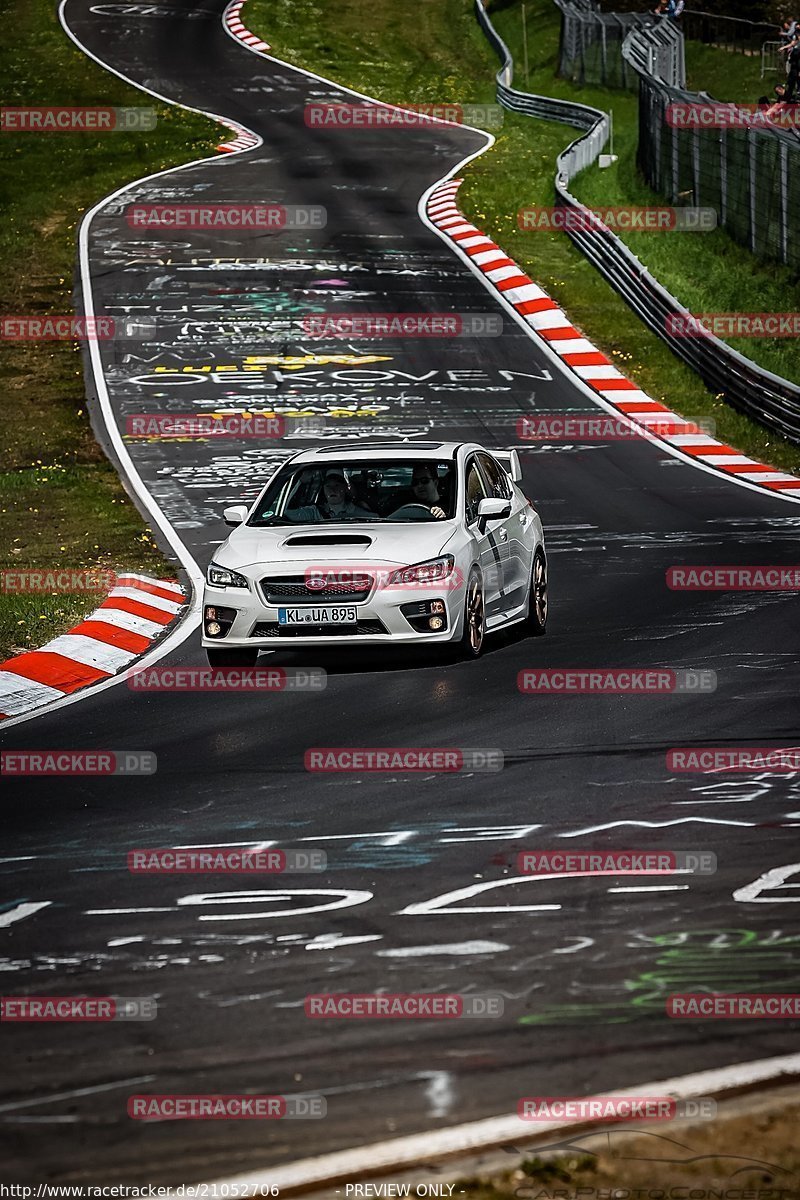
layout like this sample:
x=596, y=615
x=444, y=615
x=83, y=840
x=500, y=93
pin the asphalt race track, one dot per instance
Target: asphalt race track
x=584, y=965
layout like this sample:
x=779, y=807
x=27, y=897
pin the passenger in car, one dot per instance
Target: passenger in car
x=336, y=503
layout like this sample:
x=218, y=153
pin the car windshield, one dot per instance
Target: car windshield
x=358, y=490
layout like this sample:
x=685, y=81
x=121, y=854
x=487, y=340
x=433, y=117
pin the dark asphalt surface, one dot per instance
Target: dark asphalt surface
x=584, y=982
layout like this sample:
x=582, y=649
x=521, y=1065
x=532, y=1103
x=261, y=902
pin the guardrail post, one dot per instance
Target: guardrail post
x=723, y=176
x=751, y=160
x=696, y=166
x=784, y=202
x=675, y=181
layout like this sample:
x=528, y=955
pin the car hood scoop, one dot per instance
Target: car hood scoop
x=329, y=539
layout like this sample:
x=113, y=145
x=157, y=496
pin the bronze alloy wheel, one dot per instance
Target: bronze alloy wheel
x=474, y=617
x=537, y=609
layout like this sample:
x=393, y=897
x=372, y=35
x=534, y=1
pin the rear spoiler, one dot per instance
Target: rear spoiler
x=510, y=462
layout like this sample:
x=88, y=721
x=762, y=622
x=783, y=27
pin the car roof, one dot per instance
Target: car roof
x=398, y=449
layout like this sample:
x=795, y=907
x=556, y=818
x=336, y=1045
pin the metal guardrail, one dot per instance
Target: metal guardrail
x=771, y=400
x=771, y=59
x=736, y=34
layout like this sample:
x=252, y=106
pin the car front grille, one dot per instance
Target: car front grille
x=271, y=629
x=294, y=589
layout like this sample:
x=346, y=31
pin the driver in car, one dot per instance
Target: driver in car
x=335, y=505
x=425, y=488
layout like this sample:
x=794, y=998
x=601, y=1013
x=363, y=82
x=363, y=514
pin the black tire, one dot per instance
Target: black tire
x=537, y=599
x=474, y=631
x=232, y=657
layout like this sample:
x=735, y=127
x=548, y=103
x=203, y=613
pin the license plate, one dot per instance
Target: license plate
x=318, y=616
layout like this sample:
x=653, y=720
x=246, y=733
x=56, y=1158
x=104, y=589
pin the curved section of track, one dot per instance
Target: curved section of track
x=419, y=893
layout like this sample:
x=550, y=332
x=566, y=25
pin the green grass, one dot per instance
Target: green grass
x=707, y=272
x=442, y=55
x=61, y=502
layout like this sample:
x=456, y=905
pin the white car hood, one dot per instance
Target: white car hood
x=351, y=543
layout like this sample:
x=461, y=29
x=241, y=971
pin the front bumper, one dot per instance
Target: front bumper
x=389, y=615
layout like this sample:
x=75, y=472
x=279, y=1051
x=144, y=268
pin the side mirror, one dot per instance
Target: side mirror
x=514, y=468
x=235, y=514
x=492, y=509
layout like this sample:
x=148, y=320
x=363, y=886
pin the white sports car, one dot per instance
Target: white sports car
x=393, y=542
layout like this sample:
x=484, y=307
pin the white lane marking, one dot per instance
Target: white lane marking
x=581, y=943
x=126, y=620
x=21, y=911
x=439, y=904
x=332, y=941
x=445, y=948
x=417, y=1149
x=651, y=825
x=18, y=694
x=439, y=1092
x=113, y=912
x=87, y=1091
x=770, y=881
x=662, y=887
x=124, y=941
x=89, y=651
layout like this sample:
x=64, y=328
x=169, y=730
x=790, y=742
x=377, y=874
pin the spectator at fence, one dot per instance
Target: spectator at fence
x=787, y=30
x=675, y=9
x=793, y=50
x=661, y=8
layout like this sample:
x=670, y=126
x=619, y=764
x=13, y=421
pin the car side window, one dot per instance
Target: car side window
x=475, y=490
x=497, y=479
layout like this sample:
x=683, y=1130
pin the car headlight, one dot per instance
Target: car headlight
x=433, y=571
x=218, y=576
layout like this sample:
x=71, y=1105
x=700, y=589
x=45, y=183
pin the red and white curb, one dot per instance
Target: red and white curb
x=232, y=21
x=553, y=326
x=244, y=140
x=136, y=613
